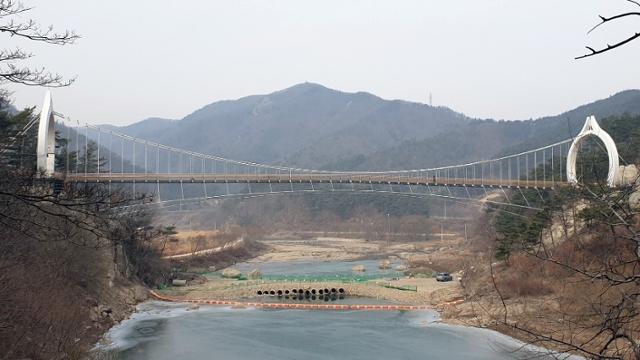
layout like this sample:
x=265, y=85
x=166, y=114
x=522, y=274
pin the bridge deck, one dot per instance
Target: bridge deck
x=313, y=178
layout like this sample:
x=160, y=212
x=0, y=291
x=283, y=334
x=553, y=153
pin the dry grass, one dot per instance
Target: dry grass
x=222, y=259
x=526, y=276
x=186, y=234
x=186, y=242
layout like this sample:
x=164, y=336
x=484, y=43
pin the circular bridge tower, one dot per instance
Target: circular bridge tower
x=592, y=128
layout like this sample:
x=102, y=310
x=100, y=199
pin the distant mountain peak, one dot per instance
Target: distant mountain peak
x=306, y=85
x=303, y=88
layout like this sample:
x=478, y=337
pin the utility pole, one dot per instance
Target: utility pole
x=442, y=222
x=445, y=209
x=388, y=229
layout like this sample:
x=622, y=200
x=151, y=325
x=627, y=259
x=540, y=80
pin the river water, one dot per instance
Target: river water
x=172, y=331
x=161, y=330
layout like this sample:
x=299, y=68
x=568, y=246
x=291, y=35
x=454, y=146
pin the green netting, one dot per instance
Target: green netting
x=344, y=277
x=323, y=278
x=403, y=287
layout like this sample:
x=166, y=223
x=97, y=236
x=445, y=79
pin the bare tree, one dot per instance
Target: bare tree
x=166, y=234
x=15, y=24
x=609, y=19
x=196, y=243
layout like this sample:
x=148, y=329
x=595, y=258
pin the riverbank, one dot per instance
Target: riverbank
x=428, y=292
x=310, y=264
x=330, y=248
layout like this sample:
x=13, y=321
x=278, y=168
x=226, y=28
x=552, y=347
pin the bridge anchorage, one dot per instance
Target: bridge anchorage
x=153, y=164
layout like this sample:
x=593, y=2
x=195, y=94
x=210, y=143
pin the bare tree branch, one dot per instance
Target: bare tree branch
x=609, y=47
x=634, y=2
x=13, y=25
x=605, y=20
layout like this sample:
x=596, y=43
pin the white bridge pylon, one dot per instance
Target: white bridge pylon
x=46, y=145
x=592, y=128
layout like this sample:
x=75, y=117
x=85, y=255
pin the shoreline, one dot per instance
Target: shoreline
x=266, y=305
x=405, y=293
x=325, y=250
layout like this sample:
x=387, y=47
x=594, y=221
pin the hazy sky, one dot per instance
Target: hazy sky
x=510, y=59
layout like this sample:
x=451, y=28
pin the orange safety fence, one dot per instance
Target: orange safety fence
x=293, y=306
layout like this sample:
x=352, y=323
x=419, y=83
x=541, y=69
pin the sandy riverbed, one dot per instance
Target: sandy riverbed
x=429, y=291
x=318, y=249
x=346, y=249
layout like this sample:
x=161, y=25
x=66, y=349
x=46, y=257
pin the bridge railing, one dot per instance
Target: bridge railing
x=130, y=157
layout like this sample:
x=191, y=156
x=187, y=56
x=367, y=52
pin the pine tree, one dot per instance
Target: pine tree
x=88, y=162
x=17, y=147
x=66, y=161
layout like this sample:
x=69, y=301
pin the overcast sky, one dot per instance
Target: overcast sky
x=505, y=59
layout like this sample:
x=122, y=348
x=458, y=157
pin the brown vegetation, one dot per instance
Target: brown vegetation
x=65, y=262
x=574, y=290
x=218, y=260
x=191, y=242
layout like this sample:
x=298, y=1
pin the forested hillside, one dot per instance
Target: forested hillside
x=486, y=139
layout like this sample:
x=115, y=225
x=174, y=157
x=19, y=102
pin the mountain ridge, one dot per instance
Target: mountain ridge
x=485, y=139
x=273, y=127
x=310, y=125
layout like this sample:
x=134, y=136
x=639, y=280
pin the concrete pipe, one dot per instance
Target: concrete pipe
x=300, y=291
x=307, y=293
x=341, y=291
x=259, y=292
x=279, y=293
x=326, y=291
x=295, y=291
x=272, y=292
x=333, y=290
x=320, y=291
x=313, y=291
x=286, y=292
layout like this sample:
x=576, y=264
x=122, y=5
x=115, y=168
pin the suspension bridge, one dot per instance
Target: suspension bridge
x=123, y=159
